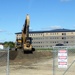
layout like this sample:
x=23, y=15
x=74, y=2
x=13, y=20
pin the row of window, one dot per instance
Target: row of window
x=46, y=42
x=53, y=38
x=34, y=34
x=42, y=46
x=50, y=38
x=48, y=34
x=43, y=34
x=47, y=38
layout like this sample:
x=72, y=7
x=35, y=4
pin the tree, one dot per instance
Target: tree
x=9, y=44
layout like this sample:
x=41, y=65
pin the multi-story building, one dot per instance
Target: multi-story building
x=47, y=39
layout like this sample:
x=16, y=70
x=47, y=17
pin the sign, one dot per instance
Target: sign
x=62, y=58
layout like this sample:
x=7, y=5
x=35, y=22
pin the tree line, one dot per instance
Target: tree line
x=9, y=44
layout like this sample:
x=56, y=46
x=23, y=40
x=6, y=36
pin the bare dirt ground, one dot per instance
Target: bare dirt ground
x=30, y=64
x=39, y=63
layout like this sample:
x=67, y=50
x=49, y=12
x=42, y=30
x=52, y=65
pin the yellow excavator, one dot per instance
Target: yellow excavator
x=25, y=43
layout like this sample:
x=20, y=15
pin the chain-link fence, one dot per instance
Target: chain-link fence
x=63, y=60
x=4, y=61
x=40, y=64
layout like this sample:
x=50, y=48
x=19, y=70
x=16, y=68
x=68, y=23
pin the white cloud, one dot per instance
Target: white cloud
x=2, y=40
x=52, y=27
x=2, y=30
x=65, y=0
x=9, y=33
x=55, y=27
x=6, y=32
x=46, y=28
x=74, y=26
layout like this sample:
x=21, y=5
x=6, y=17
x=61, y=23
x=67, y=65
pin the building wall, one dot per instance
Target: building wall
x=49, y=39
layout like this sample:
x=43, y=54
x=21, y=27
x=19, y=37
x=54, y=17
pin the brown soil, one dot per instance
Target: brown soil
x=18, y=57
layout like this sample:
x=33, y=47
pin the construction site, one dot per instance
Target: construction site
x=24, y=59
x=39, y=63
x=37, y=37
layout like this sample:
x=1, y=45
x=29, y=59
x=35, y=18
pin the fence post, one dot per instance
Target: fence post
x=7, y=61
x=53, y=61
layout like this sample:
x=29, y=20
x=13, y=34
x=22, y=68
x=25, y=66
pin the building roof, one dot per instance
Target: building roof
x=55, y=30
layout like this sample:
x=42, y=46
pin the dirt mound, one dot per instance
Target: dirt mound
x=3, y=58
x=13, y=54
x=21, y=58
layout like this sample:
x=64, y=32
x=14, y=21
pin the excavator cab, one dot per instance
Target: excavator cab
x=27, y=47
x=29, y=40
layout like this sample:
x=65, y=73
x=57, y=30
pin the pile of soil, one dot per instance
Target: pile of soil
x=18, y=57
x=3, y=58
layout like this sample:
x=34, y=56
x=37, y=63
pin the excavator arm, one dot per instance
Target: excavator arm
x=26, y=40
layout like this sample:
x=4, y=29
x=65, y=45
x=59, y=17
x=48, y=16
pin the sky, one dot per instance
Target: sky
x=44, y=15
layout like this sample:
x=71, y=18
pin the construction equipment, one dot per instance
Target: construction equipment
x=25, y=42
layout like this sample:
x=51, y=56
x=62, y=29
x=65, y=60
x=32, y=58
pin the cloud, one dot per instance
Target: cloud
x=55, y=27
x=2, y=30
x=6, y=32
x=2, y=40
x=74, y=26
x=65, y=0
x=52, y=27
x=9, y=33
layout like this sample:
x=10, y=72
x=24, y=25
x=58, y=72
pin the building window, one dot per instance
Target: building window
x=71, y=37
x=57, y=37
x=65, y=41
x=55, y=41
x=63, y=37
x=57, y=33
x=51, y=33
x=46, y=33
x=71, y=32
x=63, y=33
